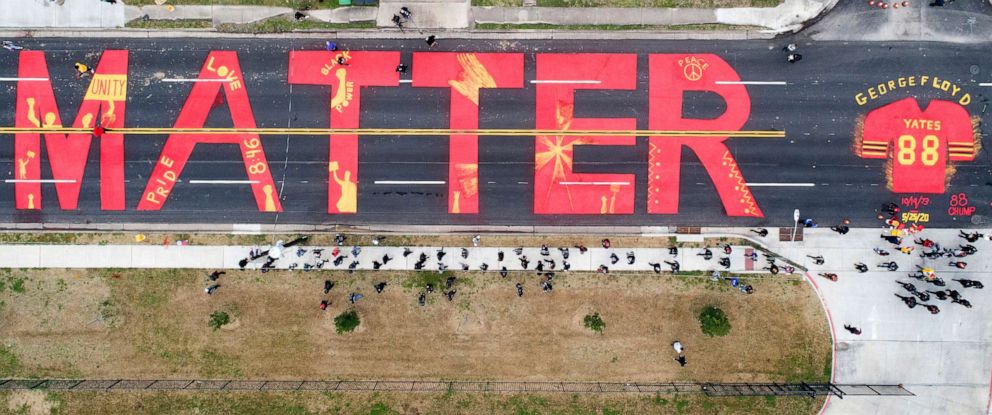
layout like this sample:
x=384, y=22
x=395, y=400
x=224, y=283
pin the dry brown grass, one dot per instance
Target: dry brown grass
x=154, y=403
x=153, y=324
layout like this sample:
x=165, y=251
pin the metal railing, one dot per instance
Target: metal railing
x=710, y=389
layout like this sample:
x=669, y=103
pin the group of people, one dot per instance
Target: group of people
x=895, y=233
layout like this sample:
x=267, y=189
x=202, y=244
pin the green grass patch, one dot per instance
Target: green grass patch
x=38, y=238
x=284, y=24
x=713, y=321
x=170, y=24
x=594, y=322
x=420, y=279
x=346, y=321
x=218, y=319
x=9, y=363
x=802, y=365
x=217, y=365
x=17, y=285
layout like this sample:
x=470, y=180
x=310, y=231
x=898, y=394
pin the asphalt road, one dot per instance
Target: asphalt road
x=817, y=110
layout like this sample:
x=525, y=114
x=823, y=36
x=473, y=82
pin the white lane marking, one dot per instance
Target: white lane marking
x=564, y=81
x=595, y=183
x=22, y=79
x=751, y=83
x=194, y=80
x=223, y=182
x=406, y=81
x=39, y=181
x=409, y=182
x=521, y=182
x=781, y=184
x=490, y=182
x=985, y=84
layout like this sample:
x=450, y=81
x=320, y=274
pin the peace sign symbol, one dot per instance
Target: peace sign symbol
x=693, y=71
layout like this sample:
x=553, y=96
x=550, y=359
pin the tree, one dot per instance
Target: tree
x=594, y=322
x=347, y=321
x=714, y=322
x=218, y=319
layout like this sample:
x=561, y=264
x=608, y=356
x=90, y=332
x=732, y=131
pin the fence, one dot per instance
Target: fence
x=711, y=389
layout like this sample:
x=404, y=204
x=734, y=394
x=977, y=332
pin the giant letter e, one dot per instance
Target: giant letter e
x=558, y=189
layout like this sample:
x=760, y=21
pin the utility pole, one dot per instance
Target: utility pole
x=795, y=220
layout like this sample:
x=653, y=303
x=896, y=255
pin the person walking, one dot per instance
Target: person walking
x=215, y=275
x=818, y=259
x=854, y=330
x=841, y=229
x=862, y=268
x=431, y=41
x=761, y=232
x=211, y=289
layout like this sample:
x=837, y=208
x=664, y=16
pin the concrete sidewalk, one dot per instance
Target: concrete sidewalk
x=945, y=359
x=427, y=14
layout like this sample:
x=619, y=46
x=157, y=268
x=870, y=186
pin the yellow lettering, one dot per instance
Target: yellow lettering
x=912, y=81
x=936, y=125
x=222, y=71
x=169, y=175
x=965, y=99
x=882, y=90
x=871, y=93
x=955, y=90
x=151, y=198
x=944, y=86
x=235, y=85
x=210, y=64
x=892, y=85
x=902, y=82
x=860, y=98
x=167, y=162
x=923, y=79
x=161, y=191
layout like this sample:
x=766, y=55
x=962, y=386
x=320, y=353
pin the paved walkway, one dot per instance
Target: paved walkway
x=945, y=359
x=427, y=14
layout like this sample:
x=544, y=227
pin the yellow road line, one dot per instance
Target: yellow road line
x=401, y=131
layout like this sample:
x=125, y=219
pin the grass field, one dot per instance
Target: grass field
x=262, y=403
x=153, y=324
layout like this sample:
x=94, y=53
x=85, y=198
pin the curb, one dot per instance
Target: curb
x=549, y=34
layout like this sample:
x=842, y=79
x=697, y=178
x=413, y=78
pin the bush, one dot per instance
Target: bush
x=218, y=319
x=594, y=322
x=714, y=322
x=346, y=321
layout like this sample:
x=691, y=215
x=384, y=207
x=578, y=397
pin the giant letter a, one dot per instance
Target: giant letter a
x=221, y=71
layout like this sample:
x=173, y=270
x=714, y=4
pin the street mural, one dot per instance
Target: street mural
x=920, y=145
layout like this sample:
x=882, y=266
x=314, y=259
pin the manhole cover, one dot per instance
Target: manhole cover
x=974, y=69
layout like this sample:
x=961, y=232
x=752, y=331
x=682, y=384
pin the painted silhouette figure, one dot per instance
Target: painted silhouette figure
x=348, y=202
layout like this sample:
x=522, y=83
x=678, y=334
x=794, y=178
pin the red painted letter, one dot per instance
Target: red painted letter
x=362, y=69
x=104, y=105
x=557, y=189
x=219, y=65
x=465, y=74
x=670, y=77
